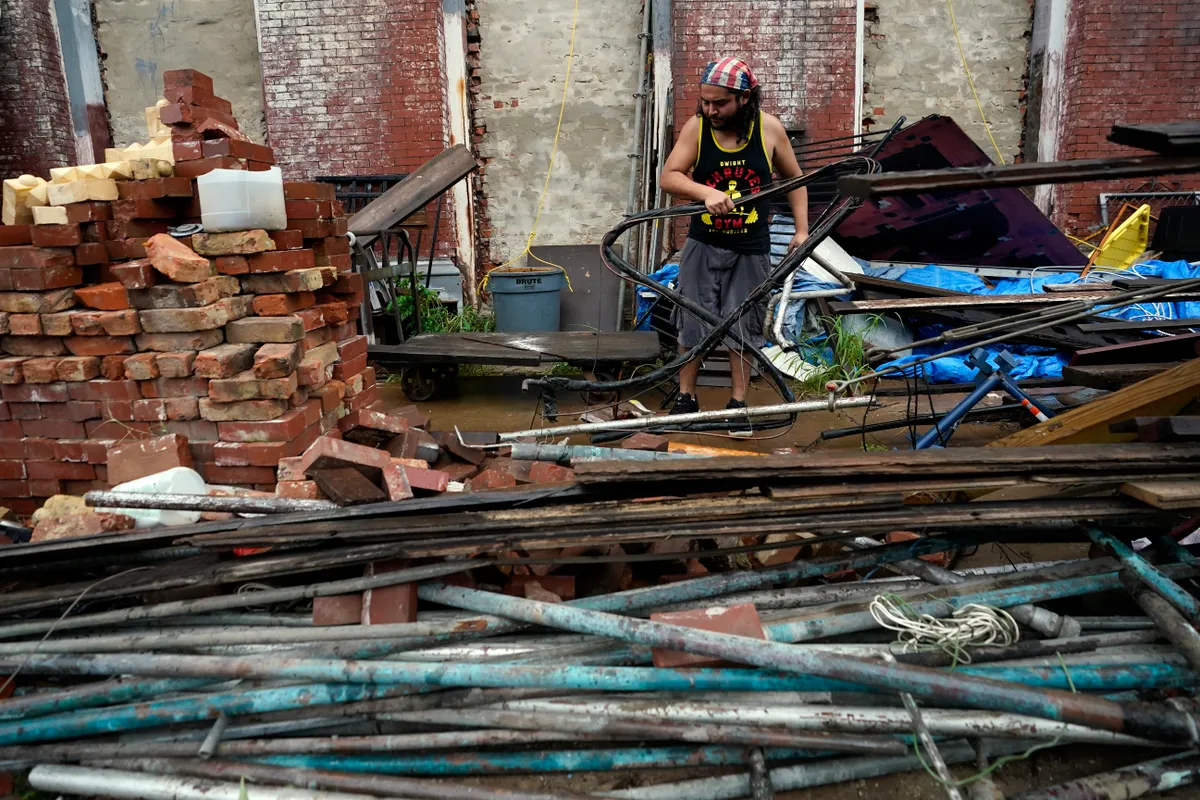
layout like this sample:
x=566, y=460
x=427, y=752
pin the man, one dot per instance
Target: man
x=730, y=148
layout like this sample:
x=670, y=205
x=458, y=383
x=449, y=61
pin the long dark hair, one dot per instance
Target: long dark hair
x=747, y=113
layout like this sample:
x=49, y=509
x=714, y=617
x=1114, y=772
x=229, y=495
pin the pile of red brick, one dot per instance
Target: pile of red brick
x=112, y=329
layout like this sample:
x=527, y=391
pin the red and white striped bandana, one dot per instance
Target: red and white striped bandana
x=732, y=73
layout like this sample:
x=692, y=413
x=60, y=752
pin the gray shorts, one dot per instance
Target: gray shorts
x=720, y=280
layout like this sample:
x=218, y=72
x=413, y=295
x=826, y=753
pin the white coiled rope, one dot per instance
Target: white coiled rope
x=973, y=625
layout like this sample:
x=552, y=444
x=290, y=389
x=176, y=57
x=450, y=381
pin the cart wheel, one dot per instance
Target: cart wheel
x=424, y=382
x=602, y=373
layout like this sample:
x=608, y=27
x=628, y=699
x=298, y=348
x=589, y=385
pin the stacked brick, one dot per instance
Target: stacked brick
x=113, y=329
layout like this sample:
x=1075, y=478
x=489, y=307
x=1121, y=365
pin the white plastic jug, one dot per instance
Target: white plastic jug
x=177, y=480
x=240, y=200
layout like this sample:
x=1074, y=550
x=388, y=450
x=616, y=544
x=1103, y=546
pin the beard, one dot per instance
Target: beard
x=719, y=122
x=739, y=121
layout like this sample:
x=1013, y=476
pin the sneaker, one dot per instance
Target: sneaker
x=685, y=404
x=742, y=427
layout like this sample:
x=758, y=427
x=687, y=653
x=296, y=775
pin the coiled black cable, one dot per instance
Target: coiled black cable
x=721, y=329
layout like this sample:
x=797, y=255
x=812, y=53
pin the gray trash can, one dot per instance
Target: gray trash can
x=526, y=298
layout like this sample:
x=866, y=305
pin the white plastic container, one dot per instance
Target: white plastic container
x=240, y=200
x=177, y=480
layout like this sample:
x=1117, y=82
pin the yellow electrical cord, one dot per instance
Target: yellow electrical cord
x=962, y=54
x=549, y=170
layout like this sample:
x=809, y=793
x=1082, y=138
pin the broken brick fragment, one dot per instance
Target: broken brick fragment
x=737, y=620
x=131, y=460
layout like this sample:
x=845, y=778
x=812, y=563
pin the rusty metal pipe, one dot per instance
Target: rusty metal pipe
x=82, y=751
x=375, y=785
x=1169, y=621
x=651, y=728
x=805, y=776
x=90, y=782
x=1047, y=623
x=184, y=607
x=1156, y=579
x=187, y=638
x=716, y=415
x=863, y=719
x=1154, y=722
x=1149, y=777
x=760, y=779
x=204, y=502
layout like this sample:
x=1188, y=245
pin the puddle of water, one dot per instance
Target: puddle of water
x=496, y=403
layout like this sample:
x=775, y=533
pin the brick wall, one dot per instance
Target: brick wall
x=1121, y=72
x=36, y=132
x=355, y=89
x=802, y=52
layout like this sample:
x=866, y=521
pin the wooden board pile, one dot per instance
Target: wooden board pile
x=112, y=328
x=410, y=675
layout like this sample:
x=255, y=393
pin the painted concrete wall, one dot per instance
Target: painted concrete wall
x=523, y=58
x=913, y=65
x=143, y=38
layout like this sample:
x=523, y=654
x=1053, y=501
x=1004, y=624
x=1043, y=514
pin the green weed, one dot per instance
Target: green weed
x=564, y=370
x=841, y=357
x=436, y=317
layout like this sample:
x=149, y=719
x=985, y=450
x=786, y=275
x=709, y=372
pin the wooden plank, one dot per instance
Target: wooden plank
x=1061, y=337
x=1113, y=376
x=896, y=465
x=1160, y=350
x=449, y=348
x=576, y=347
x=871, y=286
x=1172, y=429
x=1164, y=394
x=705, y=450
x=991, y=176
x=1167, y=495
x=1164, y=138
x=414, y=192
x=1160, y=429
x=1142, y=325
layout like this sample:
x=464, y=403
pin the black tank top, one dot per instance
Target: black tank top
x=738, y=172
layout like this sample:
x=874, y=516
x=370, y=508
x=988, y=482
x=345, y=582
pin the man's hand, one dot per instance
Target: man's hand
x=797, y=240
x=717, y=202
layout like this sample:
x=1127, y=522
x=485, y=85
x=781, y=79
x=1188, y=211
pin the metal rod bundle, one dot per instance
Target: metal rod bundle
x=487, y=684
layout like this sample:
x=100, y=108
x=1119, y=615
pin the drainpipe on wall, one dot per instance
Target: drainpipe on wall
x=860, y=22
x=454, y=20
x=81, y=70
x=635, y=157
x=1051, y=18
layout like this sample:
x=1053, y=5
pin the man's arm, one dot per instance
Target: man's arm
x=784, y=160
x=674, y=178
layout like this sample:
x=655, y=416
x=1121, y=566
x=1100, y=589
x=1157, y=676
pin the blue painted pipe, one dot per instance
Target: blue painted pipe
x=1158, y=581
x=944, y=428
x=622, y=679
x=809, y=629
x=185, y=709
x=1091, y=678
x=477, y=763
x=1152, y=722
x=1013, y=389
x=718, y=584
x=105, y=694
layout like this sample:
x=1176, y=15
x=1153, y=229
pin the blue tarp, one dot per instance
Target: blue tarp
x=1034, y=362
x=646, y=297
